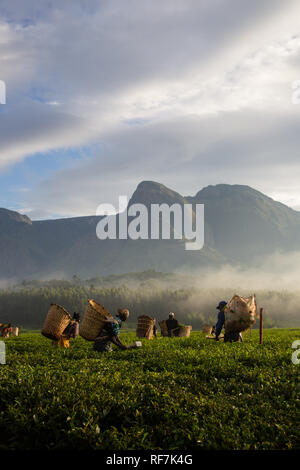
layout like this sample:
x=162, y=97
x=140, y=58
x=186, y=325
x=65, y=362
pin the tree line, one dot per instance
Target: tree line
x=27, y=307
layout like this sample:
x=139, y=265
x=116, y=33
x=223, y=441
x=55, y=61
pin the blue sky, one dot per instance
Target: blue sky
x=19, y=179
x=103, y=94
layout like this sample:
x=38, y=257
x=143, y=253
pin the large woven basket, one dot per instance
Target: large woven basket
x=184, y=331
x=145, y=327
x=15, y=331
x=207, y=329
x=163, y=327
x=56, y=322
x=92, y=322
x=240, y=314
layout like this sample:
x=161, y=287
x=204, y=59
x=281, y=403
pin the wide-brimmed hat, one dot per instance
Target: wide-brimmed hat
x=221, y=305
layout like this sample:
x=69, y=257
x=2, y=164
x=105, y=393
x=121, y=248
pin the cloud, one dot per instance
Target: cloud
x=21, y=136
x=182, y=91
x=184, y=154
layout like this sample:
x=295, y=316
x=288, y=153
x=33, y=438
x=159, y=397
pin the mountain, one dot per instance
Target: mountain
x=150, y=192
x=241, y=226
x=245, y=224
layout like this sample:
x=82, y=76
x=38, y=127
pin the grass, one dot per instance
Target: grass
x=174, y=393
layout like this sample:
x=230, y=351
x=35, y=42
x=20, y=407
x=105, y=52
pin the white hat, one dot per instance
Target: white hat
x=172, y=313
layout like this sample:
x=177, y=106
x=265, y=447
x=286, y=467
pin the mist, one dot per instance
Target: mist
x=275, y=281
x=191, y=295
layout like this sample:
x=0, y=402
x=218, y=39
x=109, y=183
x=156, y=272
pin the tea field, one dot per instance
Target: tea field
x=174, y=393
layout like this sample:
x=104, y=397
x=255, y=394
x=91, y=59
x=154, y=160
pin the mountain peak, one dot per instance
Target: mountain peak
x=8, y=216
x=148, y=184
x=242, y=225
x=240, y=194
x=151, y=192
x=228, y=189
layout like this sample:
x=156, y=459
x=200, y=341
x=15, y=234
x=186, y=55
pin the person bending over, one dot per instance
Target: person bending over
x=110, y=333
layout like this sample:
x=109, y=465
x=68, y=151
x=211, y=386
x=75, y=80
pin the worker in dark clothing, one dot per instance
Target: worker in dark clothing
x=230, y=336
x=221, y=318
x=233, y=336
x=173, y=325
x=110, y=333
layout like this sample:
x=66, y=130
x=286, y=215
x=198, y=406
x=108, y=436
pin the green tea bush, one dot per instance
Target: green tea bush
x=174, y=393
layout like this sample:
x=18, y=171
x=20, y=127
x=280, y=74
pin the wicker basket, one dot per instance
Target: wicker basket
x=207, y=329
x=56, y=321
x=92, y=322
x=240, y=314
x=163, y=327
x=184, y=331
x=15, y=331
x=145, y=327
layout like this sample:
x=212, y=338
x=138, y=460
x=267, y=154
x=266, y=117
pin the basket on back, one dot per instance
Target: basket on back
x=240, y=313
x=92, y=322
x=56, y=321
x=163, y=327
x=15, y=331
x=184, y=331
x=145, y=327
x=207, y=329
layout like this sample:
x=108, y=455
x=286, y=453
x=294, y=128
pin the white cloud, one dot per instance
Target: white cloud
x=30, y=128
x=185, y=154
x=171, y=89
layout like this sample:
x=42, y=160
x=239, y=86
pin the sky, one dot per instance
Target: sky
x=103, y=94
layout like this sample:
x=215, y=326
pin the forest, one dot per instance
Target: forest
x=151, y=293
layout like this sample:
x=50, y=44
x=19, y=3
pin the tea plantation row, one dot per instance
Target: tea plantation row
x=174, y=393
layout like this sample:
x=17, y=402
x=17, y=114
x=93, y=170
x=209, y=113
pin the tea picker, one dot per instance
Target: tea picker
x=110, y=331
x=236, y=316
x=60, y=327
x=221, y=318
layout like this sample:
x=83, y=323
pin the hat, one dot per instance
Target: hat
x=171, y=314
x=221, y=305
x=123, y=313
